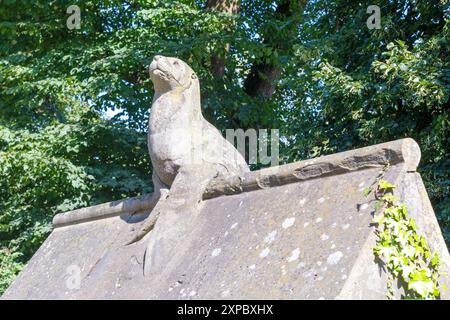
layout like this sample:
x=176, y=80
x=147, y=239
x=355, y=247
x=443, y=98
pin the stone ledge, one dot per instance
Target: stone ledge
x=403, y=151
x=104, y=210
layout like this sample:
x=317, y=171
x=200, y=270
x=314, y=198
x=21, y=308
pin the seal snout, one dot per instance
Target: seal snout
x=157, y=64
x=154, y=65
x=168, y=73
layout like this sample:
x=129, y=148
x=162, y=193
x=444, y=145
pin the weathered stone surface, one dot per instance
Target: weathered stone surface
x=299, y=231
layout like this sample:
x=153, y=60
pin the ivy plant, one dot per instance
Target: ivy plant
x=405, y=253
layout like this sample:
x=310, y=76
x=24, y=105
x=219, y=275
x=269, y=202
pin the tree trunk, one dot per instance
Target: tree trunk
x=260, y=82
x=218, y=58
x=263, y=75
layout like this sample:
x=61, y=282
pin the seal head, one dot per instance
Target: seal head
x=169, y=74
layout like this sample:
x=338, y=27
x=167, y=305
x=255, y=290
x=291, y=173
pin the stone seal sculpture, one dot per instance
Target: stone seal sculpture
x=185, y=149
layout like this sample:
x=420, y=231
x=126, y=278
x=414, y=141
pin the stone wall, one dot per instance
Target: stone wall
x=298, y=231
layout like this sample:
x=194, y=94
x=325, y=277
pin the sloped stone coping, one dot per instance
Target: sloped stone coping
x=404, y=151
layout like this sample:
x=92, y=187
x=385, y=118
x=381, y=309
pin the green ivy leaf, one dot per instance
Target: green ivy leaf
x=385, y=186
x=420, y=281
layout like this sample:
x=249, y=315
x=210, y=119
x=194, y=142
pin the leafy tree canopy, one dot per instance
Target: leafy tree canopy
x=312, y=68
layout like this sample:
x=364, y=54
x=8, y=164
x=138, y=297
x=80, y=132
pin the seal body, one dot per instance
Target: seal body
x=178, y=134
x=187, y=152
x=170, y=137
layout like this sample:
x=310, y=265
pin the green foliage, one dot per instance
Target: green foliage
x=9, y=267
x=355, y=87
x=403, y=251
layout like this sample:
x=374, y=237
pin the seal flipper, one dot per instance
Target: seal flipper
x=160, y=194
x=179, y=212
